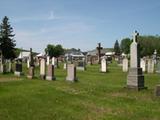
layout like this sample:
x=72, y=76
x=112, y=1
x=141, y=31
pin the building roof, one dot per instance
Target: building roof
x=23, y=55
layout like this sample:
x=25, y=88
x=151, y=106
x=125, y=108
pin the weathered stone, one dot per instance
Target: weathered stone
x=71, y=73
x=81, y=65
x=150, y=67
x=143, y=65
x=50, y=73
x=18, y=69
x=103, y=65
x=157, y=90
x=125, y=65
x=65, y=66
x=3, y=68
x=42, y=68
x=99, y=48
x=48, y=60
x=31, y=72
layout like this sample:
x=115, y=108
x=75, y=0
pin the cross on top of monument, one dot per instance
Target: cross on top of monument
x=135, y=34
x=99, y=46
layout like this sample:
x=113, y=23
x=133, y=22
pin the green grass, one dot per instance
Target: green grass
x=96, y=96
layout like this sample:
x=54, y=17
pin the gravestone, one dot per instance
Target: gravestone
x=157, y=90
x=135, y=78
x=54, y=62
x=81, y=65
x=43, y=68
x=158, y=67
x=150, y=66
x=99, y=48
x=50, y=73
x=28, y=63
x=120, y=61
x=71, y=73
x=48, y=60
x=31, y=72
x=125, y=65
x=18, y=69
x=10, y=66
x=143, y=64
x=2, y=64
x=103, y=65
x=65, y=66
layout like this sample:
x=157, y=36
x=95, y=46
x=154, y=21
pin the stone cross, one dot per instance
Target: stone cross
x=31, y=62
x=99, y=48
x=135, y=35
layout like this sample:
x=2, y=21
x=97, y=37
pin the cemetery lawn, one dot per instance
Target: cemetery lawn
x=97, y=96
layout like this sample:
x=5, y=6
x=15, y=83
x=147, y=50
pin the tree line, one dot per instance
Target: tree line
x=148, y=44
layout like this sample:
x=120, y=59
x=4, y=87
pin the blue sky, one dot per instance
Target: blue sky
x=79, y=23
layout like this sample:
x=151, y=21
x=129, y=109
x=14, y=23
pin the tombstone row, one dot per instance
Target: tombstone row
x=147, y=65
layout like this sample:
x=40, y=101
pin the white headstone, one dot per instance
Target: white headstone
x=125, y=65
x=42, y=68
x=71, y=73
x=150, y=67
x=103, y=65
x=65, y=66
x=143, y=65
x=48, y=60
x=28, y=63
x=53, y=60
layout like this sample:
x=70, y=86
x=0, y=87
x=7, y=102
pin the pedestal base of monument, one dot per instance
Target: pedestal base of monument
x=135, y=79
x=157, y=90
x=17, y=73
x=71, y=79
x=43, y=77
x=50, y=78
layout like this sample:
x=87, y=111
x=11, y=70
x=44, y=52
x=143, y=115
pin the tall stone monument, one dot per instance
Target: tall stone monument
x=135, y=78
x=99, y=48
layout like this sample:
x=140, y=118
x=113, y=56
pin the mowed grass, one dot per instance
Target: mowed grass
x=96, y=96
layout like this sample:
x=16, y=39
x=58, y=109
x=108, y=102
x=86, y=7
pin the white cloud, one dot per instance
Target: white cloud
x=44, y=17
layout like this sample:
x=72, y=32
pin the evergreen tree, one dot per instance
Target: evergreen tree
x=117, y=48
x=7, y=42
